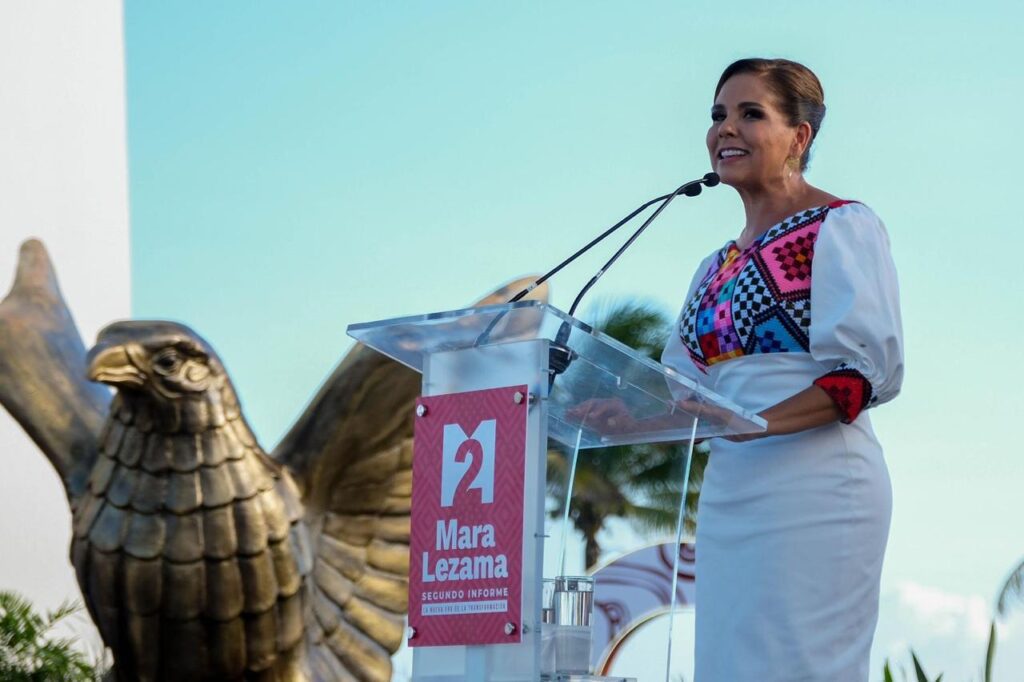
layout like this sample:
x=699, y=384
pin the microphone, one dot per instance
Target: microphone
x=691, y=189
x=560, y=355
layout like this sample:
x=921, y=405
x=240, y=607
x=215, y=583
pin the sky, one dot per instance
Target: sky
x=298, y=167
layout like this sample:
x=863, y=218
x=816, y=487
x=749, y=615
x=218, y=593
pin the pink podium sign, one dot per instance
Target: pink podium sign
x=466, y=545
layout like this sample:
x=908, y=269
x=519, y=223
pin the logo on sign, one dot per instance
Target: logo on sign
x=468, y=459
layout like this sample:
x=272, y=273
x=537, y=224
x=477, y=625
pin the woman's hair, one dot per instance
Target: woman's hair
x=801, y=97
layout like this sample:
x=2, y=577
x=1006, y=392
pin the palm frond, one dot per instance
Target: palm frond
x=990, y=652
x=1012, y=591
x=653, y=518
x=641, y=325
x=63, y=611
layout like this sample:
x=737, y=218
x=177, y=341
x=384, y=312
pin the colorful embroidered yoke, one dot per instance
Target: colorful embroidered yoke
x=758, y=300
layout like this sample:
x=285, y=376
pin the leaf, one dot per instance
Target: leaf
x=921, y=677
x=26, y=653
x=1012, y=591
x=990, y=655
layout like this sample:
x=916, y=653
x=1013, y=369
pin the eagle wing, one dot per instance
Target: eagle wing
x=351, y=455
x=43, y=380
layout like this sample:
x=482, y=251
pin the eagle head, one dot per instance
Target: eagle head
x=165, y=371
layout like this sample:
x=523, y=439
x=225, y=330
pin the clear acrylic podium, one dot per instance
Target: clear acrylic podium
x=508, y=345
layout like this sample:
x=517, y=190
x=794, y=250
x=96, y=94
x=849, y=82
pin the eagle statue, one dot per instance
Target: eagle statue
x=200, y=556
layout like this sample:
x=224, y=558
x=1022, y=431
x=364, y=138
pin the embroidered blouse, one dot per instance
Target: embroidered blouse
x=833, y=260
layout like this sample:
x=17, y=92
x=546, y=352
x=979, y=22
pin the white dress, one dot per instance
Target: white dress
x=791, y=530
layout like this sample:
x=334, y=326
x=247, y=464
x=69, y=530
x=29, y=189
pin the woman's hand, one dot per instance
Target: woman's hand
x=604, y=415
x=808, y=409
x=612, y=415
x=715, y=416
x=744, y=437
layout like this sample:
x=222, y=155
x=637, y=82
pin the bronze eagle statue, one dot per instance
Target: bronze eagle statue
x=200, y=556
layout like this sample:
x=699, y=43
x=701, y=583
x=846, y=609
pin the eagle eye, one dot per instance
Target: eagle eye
x=168, y=361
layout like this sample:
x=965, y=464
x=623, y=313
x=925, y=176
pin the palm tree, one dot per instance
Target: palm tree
x=640, y=483
x=29, y=653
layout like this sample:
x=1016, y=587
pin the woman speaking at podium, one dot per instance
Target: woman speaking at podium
x=797, y=319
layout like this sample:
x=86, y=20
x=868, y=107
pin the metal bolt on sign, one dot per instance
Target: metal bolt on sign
x=510, y=628
x=421, y=410
x=517, y=397
x=410, y=632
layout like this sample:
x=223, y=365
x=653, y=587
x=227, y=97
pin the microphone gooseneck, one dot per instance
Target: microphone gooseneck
x=594, y=242
x=690, y=189
x=560, y=355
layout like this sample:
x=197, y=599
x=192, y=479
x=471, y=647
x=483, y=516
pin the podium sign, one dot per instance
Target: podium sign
x=466, y=545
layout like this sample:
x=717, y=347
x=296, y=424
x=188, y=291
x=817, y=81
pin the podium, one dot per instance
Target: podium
x=479, y=466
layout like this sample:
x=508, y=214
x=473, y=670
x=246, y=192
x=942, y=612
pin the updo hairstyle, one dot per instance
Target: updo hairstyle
x=801, y=97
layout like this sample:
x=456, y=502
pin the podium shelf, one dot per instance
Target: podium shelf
x=609, y=394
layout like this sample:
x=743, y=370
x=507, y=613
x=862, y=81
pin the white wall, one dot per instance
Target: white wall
x=63, y=178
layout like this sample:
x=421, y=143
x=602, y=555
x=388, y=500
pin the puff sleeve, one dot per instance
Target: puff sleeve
x=856, y=332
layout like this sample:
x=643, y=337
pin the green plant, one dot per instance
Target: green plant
x=921, y=676
x=29, y=652
x=919, y=673
x=990, y=652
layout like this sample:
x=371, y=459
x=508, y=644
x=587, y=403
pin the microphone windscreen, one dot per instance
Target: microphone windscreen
x=711, y=179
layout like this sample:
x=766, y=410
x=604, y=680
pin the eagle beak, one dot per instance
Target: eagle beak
x=112, y=365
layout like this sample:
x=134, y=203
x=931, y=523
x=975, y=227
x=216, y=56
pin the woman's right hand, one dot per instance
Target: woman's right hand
x=604, y=415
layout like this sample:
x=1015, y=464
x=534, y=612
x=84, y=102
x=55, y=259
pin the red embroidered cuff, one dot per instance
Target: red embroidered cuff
x=848, y=388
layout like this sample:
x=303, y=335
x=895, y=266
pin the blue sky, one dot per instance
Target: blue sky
x=298, y=167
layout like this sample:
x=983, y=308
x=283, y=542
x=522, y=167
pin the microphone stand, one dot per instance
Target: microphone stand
x=543, y=278
x=560, y=355
x=486, y=335
x=692, y=188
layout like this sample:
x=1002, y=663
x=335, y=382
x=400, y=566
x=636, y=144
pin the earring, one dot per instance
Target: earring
x=792, y=164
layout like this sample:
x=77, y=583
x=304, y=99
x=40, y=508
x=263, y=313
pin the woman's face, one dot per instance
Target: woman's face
x=749, y=139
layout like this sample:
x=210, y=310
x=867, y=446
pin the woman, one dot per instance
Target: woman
x=797, y=319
